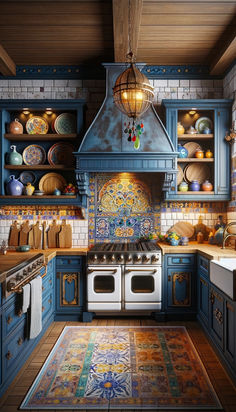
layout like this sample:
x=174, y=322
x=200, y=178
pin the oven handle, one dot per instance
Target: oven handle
x=141, y=270
x=101, y=270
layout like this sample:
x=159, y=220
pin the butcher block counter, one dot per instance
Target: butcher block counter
x=207, y=250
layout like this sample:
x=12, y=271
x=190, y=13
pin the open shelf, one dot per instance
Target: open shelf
x=38, y=167
x=43, y=137
x=38, y=197
x=195, y=136
x=197, y=192
x=194, y=160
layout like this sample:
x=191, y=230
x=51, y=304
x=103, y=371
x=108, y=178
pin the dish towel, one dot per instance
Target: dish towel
x=35, y=307
x=26, y=297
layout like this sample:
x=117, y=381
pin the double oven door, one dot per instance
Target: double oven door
x=124, y=288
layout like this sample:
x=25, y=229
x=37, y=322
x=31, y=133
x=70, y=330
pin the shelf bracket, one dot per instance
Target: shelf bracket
x=168, y=180
x=82, y=180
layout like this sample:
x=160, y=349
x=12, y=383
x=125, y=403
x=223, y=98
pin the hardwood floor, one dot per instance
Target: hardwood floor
x=223, y=385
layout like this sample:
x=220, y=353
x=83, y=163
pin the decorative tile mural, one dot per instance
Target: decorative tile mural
x=122, y=207
x=40, y=212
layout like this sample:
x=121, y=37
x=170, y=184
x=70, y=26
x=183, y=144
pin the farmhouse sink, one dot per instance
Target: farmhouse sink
x=223, y=275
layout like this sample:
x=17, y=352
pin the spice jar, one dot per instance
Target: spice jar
x=207, y=186
x=208, y=154
x=199, y=154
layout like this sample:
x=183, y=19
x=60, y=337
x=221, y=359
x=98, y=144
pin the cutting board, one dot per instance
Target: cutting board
x=14, y=234
x=183, y=229
x=53, y=234
x=200, y=227
x=24, y=233
x=44, y=243
x=37, y=232
x=65, y=235
x=31, y=238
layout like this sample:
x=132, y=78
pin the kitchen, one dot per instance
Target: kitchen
x=124, y=193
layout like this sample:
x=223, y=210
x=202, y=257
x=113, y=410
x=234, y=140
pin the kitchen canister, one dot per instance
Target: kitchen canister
x=208, y=154
x=194, y=186
x=182, y=151
x=15, y=127
x=199, y=154
x=14, y=187
x=14, y=158
x=207, y=186
x=183, y=187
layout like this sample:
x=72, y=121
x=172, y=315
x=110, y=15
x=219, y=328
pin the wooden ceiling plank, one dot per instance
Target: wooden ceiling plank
x=126, y=22
x=189, y=7
x=7, y=65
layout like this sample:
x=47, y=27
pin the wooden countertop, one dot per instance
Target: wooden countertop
x=12, y=258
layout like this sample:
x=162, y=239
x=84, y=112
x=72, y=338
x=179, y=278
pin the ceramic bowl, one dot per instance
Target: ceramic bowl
x=38, y=193
x=23, y=248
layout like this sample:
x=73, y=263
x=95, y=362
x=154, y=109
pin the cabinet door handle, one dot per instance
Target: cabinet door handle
x=43, y=308
x=50, y=281
x=180, y=260
x=9, y=320
x=19, y=313
x=218, y=315
x=49, y=301
x=212, y=298
x=8, y=355
x=43, y=288
x=20, y=341
x=169, y=278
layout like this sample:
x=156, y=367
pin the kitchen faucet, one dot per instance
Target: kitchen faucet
x=226, y=234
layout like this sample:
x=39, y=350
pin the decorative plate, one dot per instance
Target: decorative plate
x=65, y=123
x=191, y=148
x=51, y=181
x=27, y=177
x=34, y=155
x=37, y=125
x=61, y=154
x=203, y=123
x=196, y=171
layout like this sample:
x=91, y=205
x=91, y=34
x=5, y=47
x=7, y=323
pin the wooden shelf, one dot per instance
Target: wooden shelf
x=39, y=197
x=195, y=136
x=197, y=192
x=38, y=167
x=194, y=160
x=52, y=136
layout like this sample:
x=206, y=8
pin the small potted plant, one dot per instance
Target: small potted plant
x=70, y=189
x=173, y=238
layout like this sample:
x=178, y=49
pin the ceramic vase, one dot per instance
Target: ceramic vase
x=29, y=189
x=180, y=128
x=194, y=186
x=199, y=154
x=208, y=154
x=174, y=242
x=14, y=187
x=15, y=127
x=14, y=158
x=183, y=187
x=183, y=153
x=207, y=186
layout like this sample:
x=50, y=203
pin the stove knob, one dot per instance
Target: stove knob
x=102, y=258
x=34, y=266
x=25, y=272
x=120, y=258
x=19, y=277
x=154, y=258
x=146, y=259
x=137, y=259
x=112, y=258
x=93, y=258
x=129, y=259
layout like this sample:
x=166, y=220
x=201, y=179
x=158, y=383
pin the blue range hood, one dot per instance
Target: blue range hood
x=105, y=147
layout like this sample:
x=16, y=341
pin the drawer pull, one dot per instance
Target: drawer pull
x=49, y=301
x=8, y=355
x=9, y=320
x=43, y=308
x=169, y=278
x=19, y=313
x=20, y=341
x=212, y=298
x=50, y=281
x=43, y=288
x=180, y=260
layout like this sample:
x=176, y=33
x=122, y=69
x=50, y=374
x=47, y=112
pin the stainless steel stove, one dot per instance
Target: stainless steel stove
x=123, y=277
x=22, y=274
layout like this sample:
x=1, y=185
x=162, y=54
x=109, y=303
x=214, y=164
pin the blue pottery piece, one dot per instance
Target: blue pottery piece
x=194, y=186
x=14, y=187
x=14, y=158
x=183, y=152
x=206, y=130
x=174, y=242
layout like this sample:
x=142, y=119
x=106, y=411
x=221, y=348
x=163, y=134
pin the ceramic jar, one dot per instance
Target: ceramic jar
x=183, y=187
x=200, y=237
x=206, y=130
x=14, y=187
x=183, y=152
x=174, y=242
x=29, y=189
x=208, y=154
x=207, y=186
x=180, y=128
x=184, y=241
x=15, y=127
x=191, y=130
x=194, y=186
x=57, y=192
x=199, y=154
x=14, y=158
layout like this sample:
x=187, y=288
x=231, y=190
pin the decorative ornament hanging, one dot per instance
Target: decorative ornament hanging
x=134, y=131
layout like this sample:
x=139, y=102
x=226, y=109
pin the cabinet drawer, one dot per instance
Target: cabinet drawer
x=47, y=305
x=50, y=266
x=14, y=345
x=203, y=265
x=180, y=260
x=66, y=261
x=47, y=282
x=12, y=315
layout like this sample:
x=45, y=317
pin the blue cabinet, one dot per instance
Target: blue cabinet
x=9, y=110
x=69, y=287
x=180, y=284
x=217, y=115
x=203, y=289
x=216, y=315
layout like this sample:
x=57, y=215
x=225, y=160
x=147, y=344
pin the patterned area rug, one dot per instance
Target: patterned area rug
x=122, y=368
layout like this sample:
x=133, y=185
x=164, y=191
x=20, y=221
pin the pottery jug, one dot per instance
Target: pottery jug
x=207, y=186
x=209, y=154
x=15, y=127
x=14, y=158
x=194, y=186
x=199, y=154
x=183, y=187
x=182, y=151
x=180, y=128
x=14, y=187
x=29, y=189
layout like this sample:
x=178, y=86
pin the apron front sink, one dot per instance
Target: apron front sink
x=223, y=275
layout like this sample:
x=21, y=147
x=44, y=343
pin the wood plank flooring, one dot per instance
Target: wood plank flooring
x=223, y=385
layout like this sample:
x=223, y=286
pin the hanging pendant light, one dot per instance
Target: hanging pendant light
x=132, y=92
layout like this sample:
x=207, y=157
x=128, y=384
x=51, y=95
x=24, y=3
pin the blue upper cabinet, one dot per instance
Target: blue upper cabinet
x=200, y=127
x=55, y=140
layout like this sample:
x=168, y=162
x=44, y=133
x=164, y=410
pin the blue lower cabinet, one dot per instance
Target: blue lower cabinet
x=203, y=299
x=12, y=314
x=230, y=331
x=47, y=306
x=69, y=288
x=217, y=316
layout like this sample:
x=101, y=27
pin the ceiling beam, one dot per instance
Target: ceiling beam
x=7, y=65
x=226, y=51
x=126, y=24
